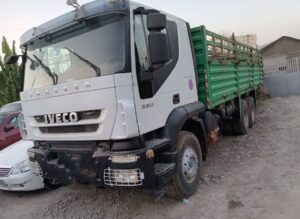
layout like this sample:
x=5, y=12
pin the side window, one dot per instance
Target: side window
x=142, y=55
x=141, y=43
x=14, y=122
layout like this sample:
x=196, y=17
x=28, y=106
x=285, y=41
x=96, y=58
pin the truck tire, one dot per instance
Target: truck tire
x=241, y=123
x=189, y=162
x=252, y=114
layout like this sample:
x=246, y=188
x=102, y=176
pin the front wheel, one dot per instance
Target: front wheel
x=51, y=184
x=189, y=162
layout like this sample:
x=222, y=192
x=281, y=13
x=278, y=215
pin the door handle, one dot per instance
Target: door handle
x=176, y=99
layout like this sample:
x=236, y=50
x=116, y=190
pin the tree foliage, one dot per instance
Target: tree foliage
x=9, y=75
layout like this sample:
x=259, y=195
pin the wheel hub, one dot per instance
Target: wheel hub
x=189, y=164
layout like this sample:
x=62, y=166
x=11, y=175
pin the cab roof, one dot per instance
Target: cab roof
x=86, y=10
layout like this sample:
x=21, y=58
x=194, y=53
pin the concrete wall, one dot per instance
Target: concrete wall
x=281, y=63
x=274, y=64
x=292, y=55
x=282, y=84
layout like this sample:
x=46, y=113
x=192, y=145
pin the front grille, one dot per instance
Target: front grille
x=4, y=172
x=84, y=115
x=123, y=178
x=69, y=129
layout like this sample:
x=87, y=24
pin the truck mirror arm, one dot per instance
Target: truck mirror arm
x=146, y=75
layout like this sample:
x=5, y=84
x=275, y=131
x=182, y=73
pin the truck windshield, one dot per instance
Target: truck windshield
x=90, y=48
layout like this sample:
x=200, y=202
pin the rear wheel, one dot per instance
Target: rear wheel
x=189, y=161
x=241, y=123
x=252, y=114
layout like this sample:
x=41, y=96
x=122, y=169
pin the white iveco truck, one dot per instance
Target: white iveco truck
x=110, y=98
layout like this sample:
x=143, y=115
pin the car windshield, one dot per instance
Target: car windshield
x=90, y=48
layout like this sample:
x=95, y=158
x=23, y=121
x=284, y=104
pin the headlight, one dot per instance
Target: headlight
x=20, y=168
x=22, y=126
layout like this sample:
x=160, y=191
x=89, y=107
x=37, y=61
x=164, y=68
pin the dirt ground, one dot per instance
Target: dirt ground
x=252, y=176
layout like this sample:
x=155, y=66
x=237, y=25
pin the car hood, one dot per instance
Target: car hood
x=15, y=153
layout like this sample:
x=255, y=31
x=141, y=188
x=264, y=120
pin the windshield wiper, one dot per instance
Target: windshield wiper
x=93, y=66
x=47, y=70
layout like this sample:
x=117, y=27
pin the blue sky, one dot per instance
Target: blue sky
x=269, y=19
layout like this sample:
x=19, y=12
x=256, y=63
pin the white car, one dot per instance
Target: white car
x=15, y=172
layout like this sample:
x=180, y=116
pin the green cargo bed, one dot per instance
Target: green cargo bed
x=226, y=68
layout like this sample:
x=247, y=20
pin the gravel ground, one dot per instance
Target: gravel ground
x=252, y=176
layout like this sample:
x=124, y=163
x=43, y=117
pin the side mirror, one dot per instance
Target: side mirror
x=156, y=22
x=12, y=60
x=8, y=127
x=159, y=49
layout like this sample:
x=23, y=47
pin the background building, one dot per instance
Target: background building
x=282, y=67
x=282, y=55
x=250, y=39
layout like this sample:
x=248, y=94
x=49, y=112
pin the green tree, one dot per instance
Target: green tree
x=9, y=75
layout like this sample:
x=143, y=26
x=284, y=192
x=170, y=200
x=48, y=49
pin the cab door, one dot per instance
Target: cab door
x=161, y=87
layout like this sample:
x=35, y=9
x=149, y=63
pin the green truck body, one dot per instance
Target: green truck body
x=226, y=68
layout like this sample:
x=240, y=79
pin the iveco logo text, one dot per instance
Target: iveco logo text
x=61, y=118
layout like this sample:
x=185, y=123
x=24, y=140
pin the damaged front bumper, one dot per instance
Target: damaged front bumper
x=100, y=167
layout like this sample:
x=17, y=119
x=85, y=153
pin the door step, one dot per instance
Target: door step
x=157, y=144
x=162, y=169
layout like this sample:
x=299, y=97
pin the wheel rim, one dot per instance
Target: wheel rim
x=189, y=165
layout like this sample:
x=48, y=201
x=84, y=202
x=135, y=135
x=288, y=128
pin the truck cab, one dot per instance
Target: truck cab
x=107, y=71
x=100, y=85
